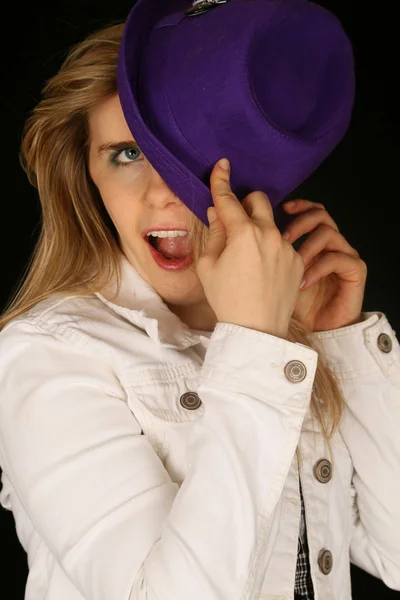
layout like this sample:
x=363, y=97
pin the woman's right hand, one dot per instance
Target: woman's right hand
x=250, y=274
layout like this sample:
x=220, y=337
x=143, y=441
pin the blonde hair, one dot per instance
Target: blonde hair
x=78, y=248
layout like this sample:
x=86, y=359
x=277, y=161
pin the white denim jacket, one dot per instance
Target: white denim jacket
x=144, y=460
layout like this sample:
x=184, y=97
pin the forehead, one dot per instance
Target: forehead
x=107, y=121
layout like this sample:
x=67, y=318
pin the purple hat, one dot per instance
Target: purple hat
x=267, y=83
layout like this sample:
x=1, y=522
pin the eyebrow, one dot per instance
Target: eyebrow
x=115, y=146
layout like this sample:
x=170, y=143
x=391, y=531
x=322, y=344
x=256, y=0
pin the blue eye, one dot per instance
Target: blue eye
x=125, y=157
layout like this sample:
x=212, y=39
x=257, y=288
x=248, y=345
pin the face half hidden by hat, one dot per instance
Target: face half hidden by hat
x=267, y=83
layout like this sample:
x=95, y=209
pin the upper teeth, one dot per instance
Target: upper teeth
x=167, y=233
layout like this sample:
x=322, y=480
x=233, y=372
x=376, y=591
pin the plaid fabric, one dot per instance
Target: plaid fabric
x=303, y=587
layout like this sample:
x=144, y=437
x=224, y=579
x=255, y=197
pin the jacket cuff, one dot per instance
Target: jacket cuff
x=358, y=350
x=254, y=363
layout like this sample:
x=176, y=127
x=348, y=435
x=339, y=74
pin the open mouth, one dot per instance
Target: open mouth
x=174, y=255
x=171, y=249
x=152, y=240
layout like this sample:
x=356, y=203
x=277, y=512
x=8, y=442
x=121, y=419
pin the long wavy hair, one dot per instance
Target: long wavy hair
x=78, y=250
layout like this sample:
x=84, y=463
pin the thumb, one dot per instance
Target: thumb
x=211, y=214
x=216, y=235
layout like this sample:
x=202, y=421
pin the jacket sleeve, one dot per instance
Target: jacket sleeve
x=366, y=360
x=101, y=499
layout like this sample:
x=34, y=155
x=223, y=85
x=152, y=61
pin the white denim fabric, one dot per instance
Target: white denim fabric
x=121, y=492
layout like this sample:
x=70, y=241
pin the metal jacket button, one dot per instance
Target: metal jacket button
x=323, y=470
x=190, y=400
x=325, y=561
x=385, y=343
x=295, y=371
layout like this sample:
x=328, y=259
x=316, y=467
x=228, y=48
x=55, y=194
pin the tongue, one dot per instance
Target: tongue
x=177, y=247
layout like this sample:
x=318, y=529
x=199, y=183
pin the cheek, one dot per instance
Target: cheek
x=120, y=191
x=122, y=207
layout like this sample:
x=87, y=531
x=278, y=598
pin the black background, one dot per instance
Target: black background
x=357, y=183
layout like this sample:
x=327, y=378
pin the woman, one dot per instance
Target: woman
x=170, y=434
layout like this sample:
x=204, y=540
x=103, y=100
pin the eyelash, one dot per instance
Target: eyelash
x=116, y=163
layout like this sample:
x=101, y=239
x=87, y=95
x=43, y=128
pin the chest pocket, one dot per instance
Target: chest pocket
x=167, y=406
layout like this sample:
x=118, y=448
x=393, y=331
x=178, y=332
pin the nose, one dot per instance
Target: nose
x=159, y=194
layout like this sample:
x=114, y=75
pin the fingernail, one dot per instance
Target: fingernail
x=224, y=164
x=303, y=283
x=286, y=235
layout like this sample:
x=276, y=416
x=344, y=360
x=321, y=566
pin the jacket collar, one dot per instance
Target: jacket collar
x=140, y=304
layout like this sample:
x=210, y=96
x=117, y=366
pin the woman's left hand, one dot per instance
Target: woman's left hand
x=334, y=272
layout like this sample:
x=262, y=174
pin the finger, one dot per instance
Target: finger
x=306, y=222
x=348, y=268
x=258, y=207
x=325, y=238
x=300, y=204
x=228, y=207
x=233, y=213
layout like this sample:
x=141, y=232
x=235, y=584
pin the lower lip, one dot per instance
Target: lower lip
x=170, y=264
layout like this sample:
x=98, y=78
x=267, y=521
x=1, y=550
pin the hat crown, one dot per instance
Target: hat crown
x=267, y=83
x=302, y=84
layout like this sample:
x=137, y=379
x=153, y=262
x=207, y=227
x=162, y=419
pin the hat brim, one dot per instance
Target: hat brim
x=141, y=20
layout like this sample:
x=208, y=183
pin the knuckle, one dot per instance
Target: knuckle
x=248, y=228
x=224, y=194
x=250, y=199
x=277, y=241
x=246, y=202
x=326, y=229
x=262, y=196
x=250, y=196
x=298, y=259
x=272, y=236
x=256, y=196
